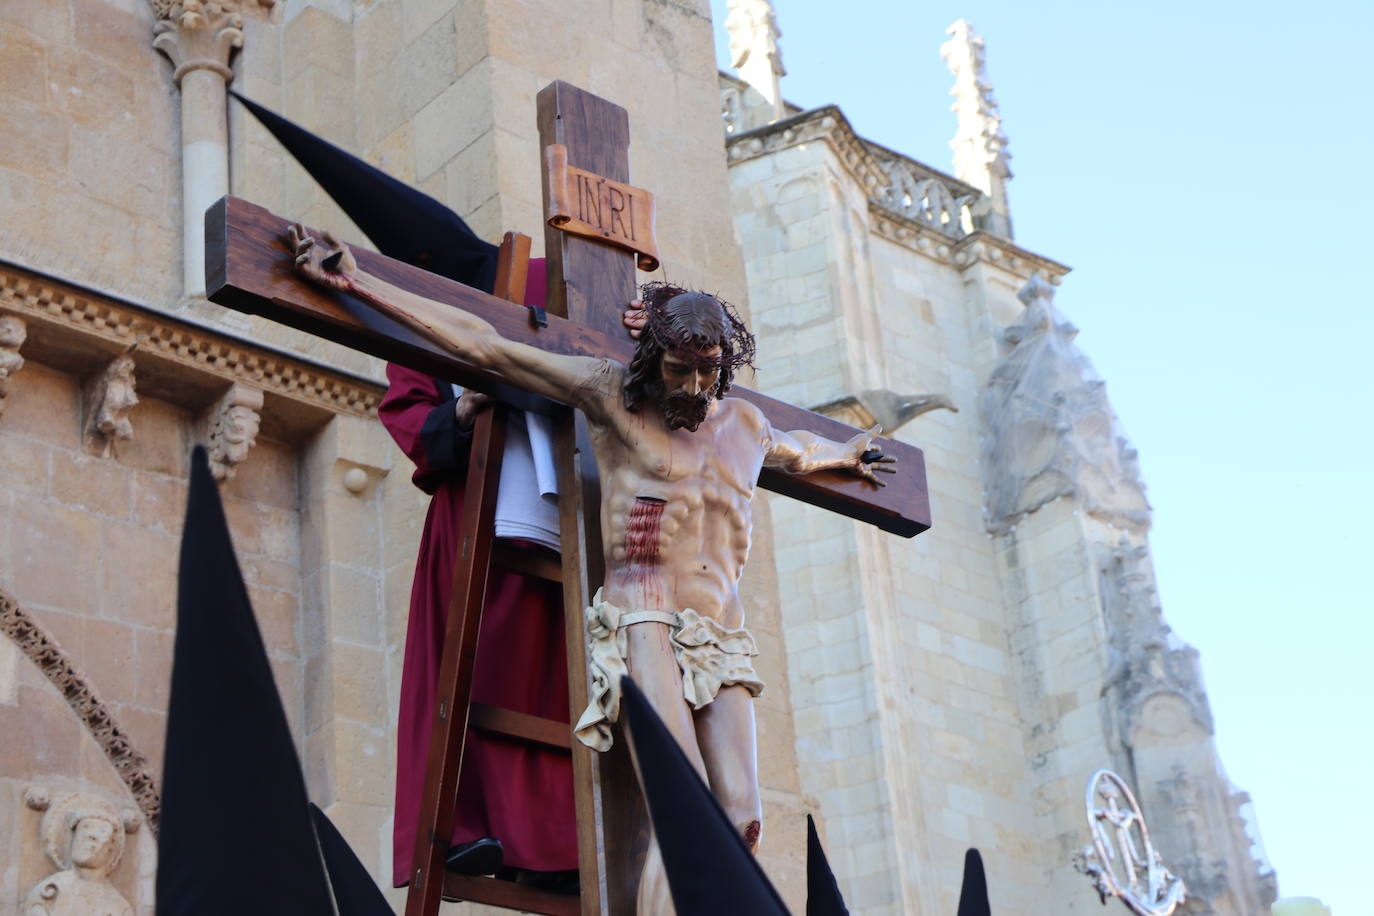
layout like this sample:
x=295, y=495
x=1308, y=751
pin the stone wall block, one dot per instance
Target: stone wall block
x=270, y=574
x=41, y=147
x=367, y=830
x=419, y=16
x=289, y=674
x=41, y=734
x=317, y=39
x=153, y=670
x=245, y=525
x=107, y=655
x=146, y=598
x=23, y=66
x=49, y=21
x=277, y=613
x=320, y=764
x=395, y=153
x=159, y=503
x=355, y=613
x=455, y=118
x=119, y=34
x=358, y=672
x=319, y=698
x=281, y=534
x=55, y=537
x=163, y=444
x=46, y=407
x=24, y=466
x=362, y=774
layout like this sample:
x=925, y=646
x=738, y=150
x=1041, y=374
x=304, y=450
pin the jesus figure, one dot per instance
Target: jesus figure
x=679, y=462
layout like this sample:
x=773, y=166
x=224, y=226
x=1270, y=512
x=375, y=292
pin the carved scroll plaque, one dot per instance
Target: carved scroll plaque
x=586, y=204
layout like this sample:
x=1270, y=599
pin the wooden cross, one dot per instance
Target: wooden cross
x=249, y=267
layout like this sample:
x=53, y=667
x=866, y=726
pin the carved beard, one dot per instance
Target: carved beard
x=682, y=410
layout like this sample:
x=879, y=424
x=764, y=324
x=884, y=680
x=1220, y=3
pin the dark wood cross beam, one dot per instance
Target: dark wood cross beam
x=249, y=267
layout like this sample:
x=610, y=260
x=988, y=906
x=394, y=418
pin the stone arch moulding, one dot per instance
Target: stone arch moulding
x=57, y=666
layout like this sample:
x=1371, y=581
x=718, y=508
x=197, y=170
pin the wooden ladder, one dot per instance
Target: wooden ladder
x=478, y=551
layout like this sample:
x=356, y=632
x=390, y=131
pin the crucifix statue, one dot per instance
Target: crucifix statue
x=678, y=461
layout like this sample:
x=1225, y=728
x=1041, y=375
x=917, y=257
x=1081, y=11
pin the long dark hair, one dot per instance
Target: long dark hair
x=692, y=324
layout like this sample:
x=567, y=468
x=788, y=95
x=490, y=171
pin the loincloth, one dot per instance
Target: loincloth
x=711, y=657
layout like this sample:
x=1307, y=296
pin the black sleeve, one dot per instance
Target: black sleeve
x=447, y=447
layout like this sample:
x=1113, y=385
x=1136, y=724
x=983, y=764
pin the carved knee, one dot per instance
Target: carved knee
x=751, y=831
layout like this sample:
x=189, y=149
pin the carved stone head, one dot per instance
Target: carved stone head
x=12, y=335
x=83, y=832
x=84, y=837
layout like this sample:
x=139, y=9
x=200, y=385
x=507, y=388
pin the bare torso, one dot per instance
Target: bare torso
x=675, y=507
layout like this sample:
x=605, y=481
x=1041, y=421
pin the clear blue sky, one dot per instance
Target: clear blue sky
x=1202, y=167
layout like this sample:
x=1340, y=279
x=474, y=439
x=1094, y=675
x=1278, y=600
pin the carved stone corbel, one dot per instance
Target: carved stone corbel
x=12, y=334
x=232, y=429
x=884, y=408
x=108, y=398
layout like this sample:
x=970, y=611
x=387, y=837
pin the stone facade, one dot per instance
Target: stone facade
x=960, y=689
x=923, y=696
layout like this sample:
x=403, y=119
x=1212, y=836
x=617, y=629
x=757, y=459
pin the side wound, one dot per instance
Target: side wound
x=641, y=531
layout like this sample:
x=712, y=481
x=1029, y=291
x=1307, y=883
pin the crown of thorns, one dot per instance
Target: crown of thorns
x=671, y=333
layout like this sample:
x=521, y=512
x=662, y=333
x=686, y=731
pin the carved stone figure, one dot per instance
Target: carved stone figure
x=1048, y=429
x=1145, y=657
x=233, y=430
x=678, y=464
x=753, y=29
x=980, y=147
x=880, y=407
x=84, y=837
x=13, y=331
x=109, y=398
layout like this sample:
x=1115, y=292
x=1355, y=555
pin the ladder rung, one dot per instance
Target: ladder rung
x=542, y=566
x=520, y=725
x=510, y=895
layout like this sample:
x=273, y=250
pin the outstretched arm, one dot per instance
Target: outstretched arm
x=801, y=452
x=577, y=380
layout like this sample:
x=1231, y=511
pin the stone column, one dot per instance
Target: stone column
x=200, y=39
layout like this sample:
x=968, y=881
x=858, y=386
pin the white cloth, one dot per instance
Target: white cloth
x=527, y=496
x=711, y=657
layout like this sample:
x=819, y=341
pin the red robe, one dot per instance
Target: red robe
x=516, y=792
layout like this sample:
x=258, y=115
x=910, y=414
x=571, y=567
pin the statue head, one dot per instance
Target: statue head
x=82, y=832
x=688, y=352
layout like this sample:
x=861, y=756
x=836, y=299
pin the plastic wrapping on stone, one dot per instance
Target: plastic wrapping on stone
x=1048, y=429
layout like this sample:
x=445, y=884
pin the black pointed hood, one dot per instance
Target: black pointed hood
x=823, y=897
x=973, y=897
x=710, y=870
x=355, y=893
x=236, y=834
x=402, y=222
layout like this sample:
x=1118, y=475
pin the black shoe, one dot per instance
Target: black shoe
x=480, y=857
x=555, y=882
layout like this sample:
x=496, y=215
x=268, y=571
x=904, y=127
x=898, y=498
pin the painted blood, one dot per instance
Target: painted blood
x=641, y=531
